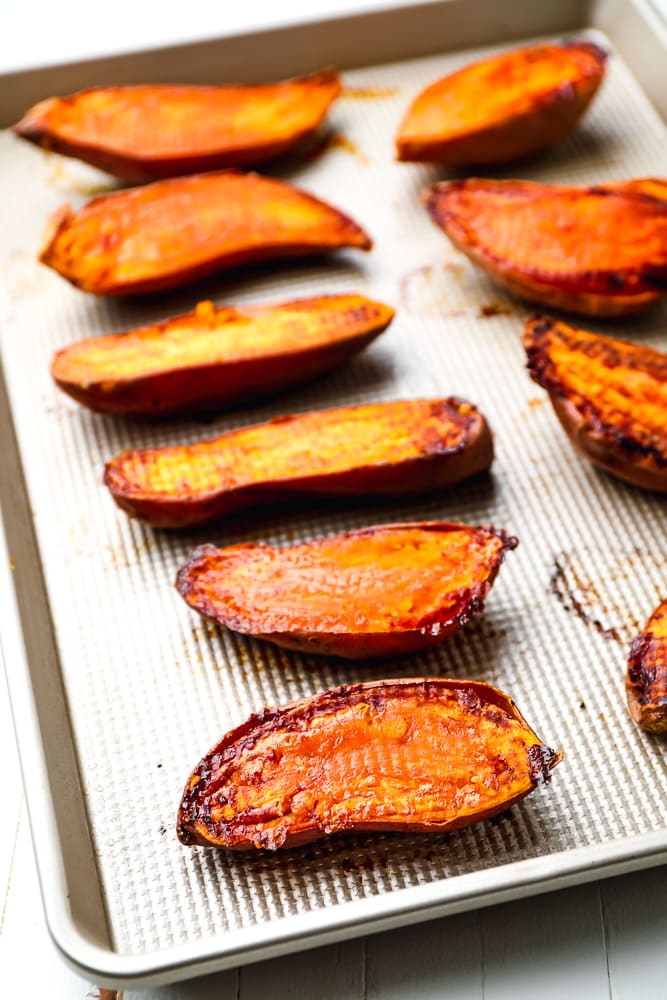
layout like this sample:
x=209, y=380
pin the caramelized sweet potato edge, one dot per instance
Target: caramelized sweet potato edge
x=538, y=331
x=541, y=758
x=120, y=394
x=349, y=234
x=433, y=626
x=139, y=167
x=632, y=282
x=553, y=115
x=430, y=470
x=646, y=677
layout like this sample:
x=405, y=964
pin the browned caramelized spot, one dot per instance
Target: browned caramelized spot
x=378, y=580
x=418, y=754
x=369, y=93
x=494, y=309
x=619, y=388
x=609, y=240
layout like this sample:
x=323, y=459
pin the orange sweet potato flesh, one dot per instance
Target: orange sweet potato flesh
x=609, y=395
x=144, y=133
x=378, y=591
x=217, y=357
x=417, y=754
x=172, y=232
x=503, y=108
x=646, y=679
x=598, y=251
x=390, y=449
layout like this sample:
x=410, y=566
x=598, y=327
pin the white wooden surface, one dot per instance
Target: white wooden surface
x=603, y=940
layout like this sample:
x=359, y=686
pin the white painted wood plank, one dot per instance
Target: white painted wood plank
x=439, y=960
x=335, y=972
x=634, y=908
x=221, y=986
x=29, y=963
x=549, y=946
x=24, y=938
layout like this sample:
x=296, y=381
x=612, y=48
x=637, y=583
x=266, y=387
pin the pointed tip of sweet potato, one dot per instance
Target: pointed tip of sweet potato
x=433, y=197
x=355, y=236
x=328, y=78
x=32, y=125
x=57, y=223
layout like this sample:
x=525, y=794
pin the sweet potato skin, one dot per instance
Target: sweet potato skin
x=216, y=358
x=646, y=678
x=144, y=133
x=416, y=754
x=609, y=395
x=503, y=108
x=597, y=251
x=379, y=591
x=170, y=233
x=385, y=449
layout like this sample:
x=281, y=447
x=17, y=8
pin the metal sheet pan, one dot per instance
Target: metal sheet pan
x=117, y=689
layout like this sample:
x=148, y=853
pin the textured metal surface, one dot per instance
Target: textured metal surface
x=151, y=687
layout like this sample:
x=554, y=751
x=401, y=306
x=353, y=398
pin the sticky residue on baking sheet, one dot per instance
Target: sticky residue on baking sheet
x=366, y=864
x=369, y=93
x=527, y=412
x=204, y=631
x=592, y=584
x=124, y=556
x=331, y=141
x=428, y=290
x=203, y=657
x=450, y=287
x=490, y=309
x=79, y=178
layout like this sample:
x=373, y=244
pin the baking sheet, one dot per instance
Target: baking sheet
x=150, y=686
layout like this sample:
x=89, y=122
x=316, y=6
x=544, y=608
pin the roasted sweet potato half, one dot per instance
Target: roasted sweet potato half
x=145, y=133
x=599, y=251
x=172, y=232
x=503, y=108
x=609, y=395
x=379, y=591
x=418, y=754
x=214, y=358
x=646, y=679
x=398, y=448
